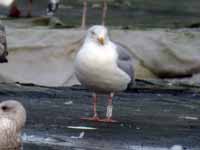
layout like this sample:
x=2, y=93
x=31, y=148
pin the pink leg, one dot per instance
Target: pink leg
x=95, y=117
x=14, y=11
x=109, y=110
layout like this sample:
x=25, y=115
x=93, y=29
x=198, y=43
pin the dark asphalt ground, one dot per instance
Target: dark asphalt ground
x=148, y=117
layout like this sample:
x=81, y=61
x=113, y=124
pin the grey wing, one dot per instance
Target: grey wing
x=125, y=60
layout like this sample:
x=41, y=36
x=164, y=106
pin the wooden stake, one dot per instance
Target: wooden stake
x=29, y=14
x=104, y=13
x=84, y=14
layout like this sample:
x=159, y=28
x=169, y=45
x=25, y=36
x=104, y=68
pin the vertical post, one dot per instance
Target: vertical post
x=104, y=12
x=29, y=14
x=84, y=15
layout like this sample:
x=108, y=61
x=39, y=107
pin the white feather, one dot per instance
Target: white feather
x=6, y=3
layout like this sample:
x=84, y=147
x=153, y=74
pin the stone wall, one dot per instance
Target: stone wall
x=45, y=56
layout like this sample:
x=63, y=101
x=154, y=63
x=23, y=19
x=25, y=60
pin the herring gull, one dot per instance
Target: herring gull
x=15, y=12
x=3, y=42
x=104, y=67
x=52, y=7
x=12, y=120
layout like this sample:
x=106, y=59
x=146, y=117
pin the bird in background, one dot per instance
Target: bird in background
x=53, y=6
x=105, y=67
x=12, y=120
x=3, y=41
x=6, y=3
x=14, y=10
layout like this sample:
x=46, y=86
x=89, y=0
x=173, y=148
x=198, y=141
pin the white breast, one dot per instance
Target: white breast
x=96, y=67
x=93, y=55
x=9, y=137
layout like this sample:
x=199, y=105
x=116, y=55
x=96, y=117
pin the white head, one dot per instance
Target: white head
x=6, y=3
x=98, y=34
x=54, y=1
x=14, y=110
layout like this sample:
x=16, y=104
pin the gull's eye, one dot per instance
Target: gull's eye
x=93, y=33
x=4, y=108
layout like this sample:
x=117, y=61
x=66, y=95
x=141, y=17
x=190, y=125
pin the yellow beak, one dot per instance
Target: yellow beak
x=101, y=40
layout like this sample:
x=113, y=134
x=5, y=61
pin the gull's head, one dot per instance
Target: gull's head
x=6, y=3
x=14, y=110
x=54, y=1
x=98, y=34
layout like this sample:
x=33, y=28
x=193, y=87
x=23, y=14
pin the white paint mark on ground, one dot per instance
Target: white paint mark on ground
x=176, y=147
x=189, y=118
x=37, y=139
x=68, y=103
x=78, y=137
x=81, y=127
